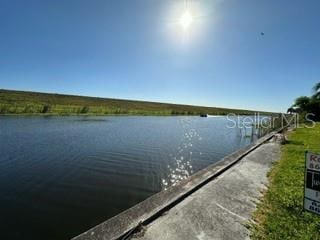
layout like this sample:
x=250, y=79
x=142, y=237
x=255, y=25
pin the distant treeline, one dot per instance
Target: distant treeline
x=19, y=102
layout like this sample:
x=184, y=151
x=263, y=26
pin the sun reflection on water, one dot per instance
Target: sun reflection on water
x=181, y=167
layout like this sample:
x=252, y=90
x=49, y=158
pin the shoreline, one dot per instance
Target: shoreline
x=128, y=114
x=36, y=103
x=155, y=206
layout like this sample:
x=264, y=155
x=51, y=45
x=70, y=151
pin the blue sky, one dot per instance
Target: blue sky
x=136, y=49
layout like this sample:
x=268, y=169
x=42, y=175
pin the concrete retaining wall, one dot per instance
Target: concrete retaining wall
x=122, y=225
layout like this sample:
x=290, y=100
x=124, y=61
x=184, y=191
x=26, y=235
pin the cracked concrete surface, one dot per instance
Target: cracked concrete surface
x=222, y=208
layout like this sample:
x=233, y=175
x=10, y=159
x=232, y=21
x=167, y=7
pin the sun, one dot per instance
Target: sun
x=186, y=20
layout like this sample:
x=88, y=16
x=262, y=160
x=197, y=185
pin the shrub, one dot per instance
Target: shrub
x=4, y=109
x=85, y=109
x=28, y=109
x=46, y=109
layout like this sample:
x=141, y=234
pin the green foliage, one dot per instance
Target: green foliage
x=302, y=102
x=85, y=109
x=18, y=102
x=46, y=109
x=4, y=109
x=304, y=105
x=280, y=215
x=291, y=110
x=28, y=109
x=316, y=90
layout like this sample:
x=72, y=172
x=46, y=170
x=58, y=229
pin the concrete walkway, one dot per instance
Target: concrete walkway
x=222, y=208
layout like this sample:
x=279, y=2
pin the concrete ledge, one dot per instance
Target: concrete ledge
x=122, y=225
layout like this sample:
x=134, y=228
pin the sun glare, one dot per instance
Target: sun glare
x=186, y=20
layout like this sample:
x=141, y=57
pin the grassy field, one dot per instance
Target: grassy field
x=18, y=102
x=280, y=214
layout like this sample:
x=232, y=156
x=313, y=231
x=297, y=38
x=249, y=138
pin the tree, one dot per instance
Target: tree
x=316, y=91
x=302, y=103
x=85, y=109
x=46, y=109
x=291, y=110
x=308, y=105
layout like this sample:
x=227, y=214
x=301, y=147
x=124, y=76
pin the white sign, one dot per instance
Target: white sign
x=312, y=183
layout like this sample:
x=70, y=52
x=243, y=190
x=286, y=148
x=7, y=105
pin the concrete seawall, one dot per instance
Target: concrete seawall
x=214, y=203
x=222, y=208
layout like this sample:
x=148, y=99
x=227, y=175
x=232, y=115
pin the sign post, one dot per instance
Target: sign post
x=312, y=183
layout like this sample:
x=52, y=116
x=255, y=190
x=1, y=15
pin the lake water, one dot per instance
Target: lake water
x=60, y=176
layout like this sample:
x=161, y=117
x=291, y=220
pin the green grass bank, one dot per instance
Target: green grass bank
x=280, y=215
x=19, y=102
